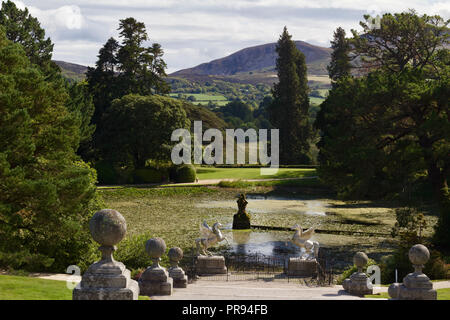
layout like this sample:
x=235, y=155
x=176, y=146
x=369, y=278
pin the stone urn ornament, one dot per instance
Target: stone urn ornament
x=107, y=279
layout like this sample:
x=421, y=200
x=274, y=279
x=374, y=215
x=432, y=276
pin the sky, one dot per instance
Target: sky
x=197, y=31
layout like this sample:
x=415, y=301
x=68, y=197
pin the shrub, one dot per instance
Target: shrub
x=131, y=252
x=149, y=175
x=435, y=268
x=350, y=270
x=185, y=173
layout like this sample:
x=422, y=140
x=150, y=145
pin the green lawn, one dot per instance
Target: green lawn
x=27, y=288
x=442, y=294
x=251, y=173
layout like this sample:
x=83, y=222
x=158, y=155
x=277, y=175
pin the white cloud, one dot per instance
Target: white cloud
x=65, y=17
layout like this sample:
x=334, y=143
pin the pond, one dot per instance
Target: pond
x=263, y=204
x=269, y=243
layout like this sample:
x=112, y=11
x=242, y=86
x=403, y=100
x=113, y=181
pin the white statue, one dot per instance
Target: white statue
x=302, y=239
x=209, y=237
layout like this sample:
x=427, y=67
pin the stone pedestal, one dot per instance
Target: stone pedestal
x=302, y=267
x=180, y=279
x=155, y=280
x=211, y=265
x=358, y=284
x=416, y=285
x=107, y=279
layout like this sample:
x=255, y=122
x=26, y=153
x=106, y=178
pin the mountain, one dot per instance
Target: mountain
x=250, y=65
x=72, y=71
x=260, y=59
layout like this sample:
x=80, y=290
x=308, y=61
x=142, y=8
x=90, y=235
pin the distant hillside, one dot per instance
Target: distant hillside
x=72, y=71
x=260, y=59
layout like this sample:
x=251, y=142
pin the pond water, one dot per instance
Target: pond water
x=261, y=204
x=270, y=243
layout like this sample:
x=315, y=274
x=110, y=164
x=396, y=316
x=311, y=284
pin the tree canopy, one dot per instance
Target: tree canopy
x=20, y=27
x=47, y=193
x=289, y=109
x=138, y=128
x=340, y=60
x=126, y=67
x=382, y=131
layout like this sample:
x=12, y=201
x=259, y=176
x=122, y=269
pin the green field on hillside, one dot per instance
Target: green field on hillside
x=316, y=100
x=203, y=99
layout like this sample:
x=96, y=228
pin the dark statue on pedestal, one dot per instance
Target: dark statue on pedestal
x=241, y=220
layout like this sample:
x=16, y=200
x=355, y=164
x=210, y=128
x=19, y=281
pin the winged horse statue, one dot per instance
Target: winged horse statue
x=302, y=239
x=209, y=237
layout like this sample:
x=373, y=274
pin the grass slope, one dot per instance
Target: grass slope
x=27, y=288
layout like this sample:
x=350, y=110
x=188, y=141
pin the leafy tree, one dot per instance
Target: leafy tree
x=340, y=60
x=289, y=110
x=261, y=113
x=22, y=28
x=403, y=40
x=237, y=109
x=47, y=194
x=138, y=128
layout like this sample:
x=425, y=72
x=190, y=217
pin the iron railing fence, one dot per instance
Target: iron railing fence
x=262, y=267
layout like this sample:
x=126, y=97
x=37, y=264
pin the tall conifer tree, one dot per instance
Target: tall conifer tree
x=340, y=61
x=289, y=109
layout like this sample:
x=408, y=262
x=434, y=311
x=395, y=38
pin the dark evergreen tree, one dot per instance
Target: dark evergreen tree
x=289, y=110
x=22, y=28
x=340, y=61
x=126, y=67
x=102, y=80
x=47, y=194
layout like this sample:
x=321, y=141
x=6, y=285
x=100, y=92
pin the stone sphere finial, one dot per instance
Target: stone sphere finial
x=175, y=254
x=419, y=255
x=360, y=259
x=108, y=227
x=155, y=248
